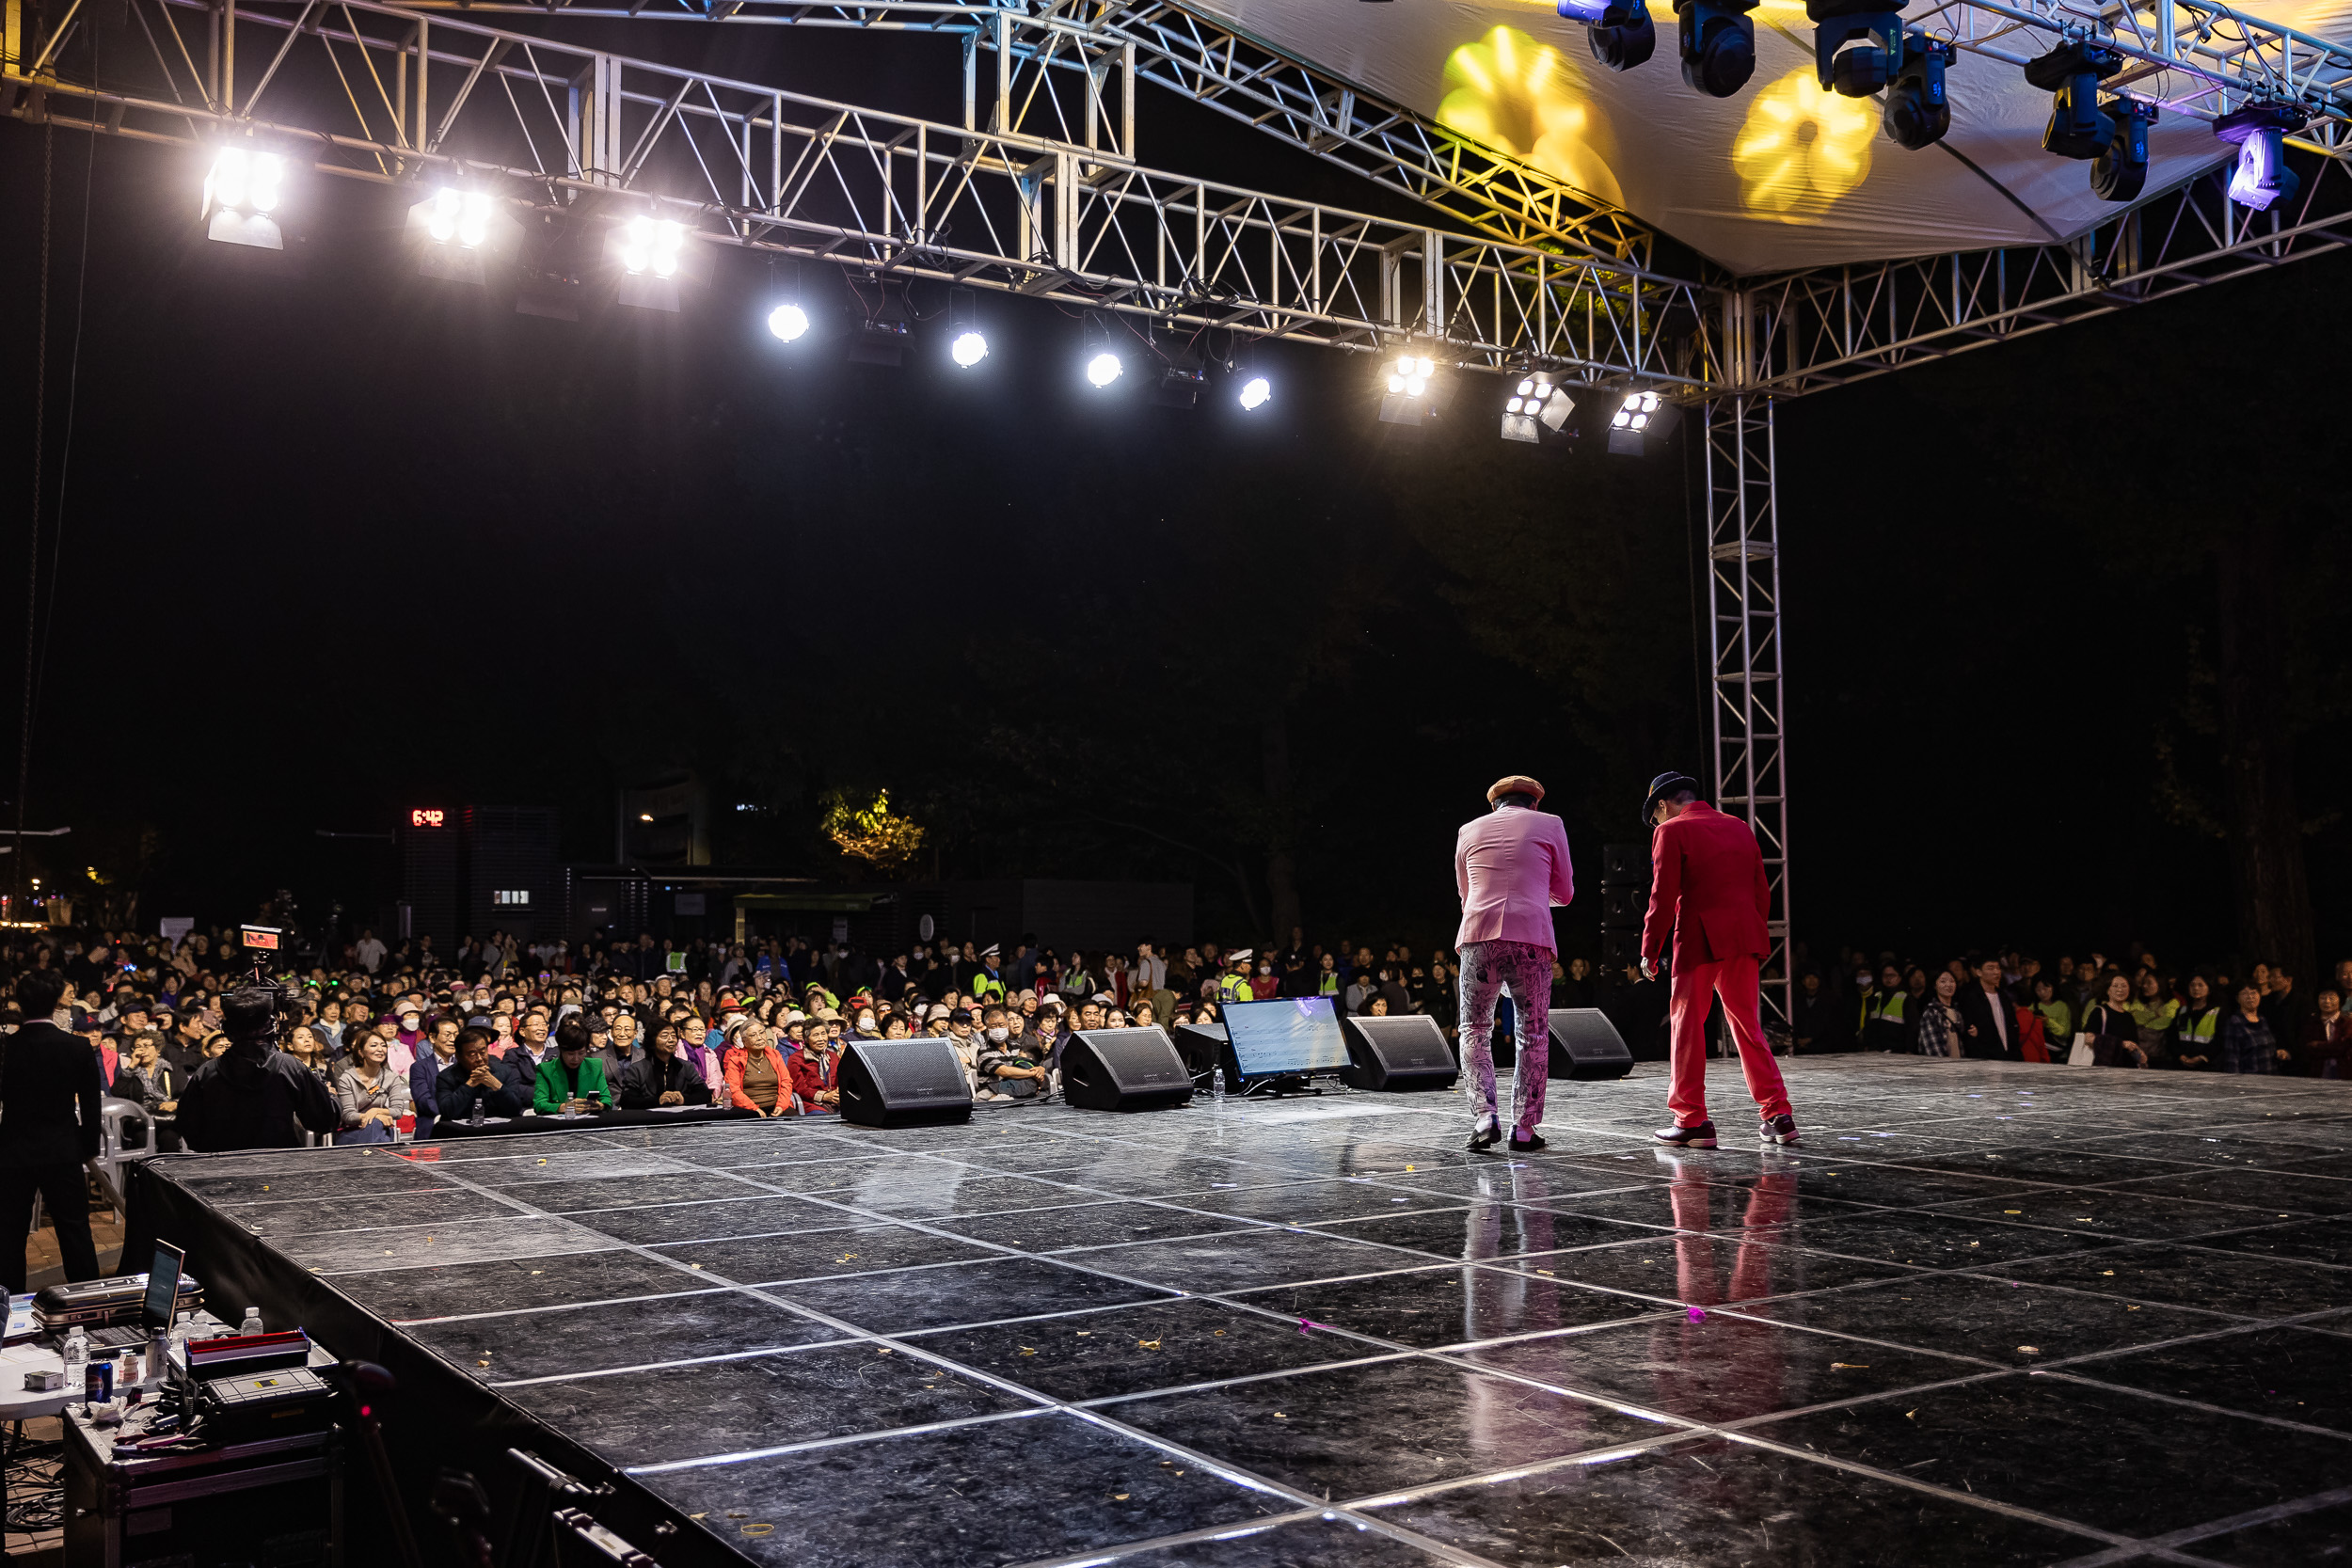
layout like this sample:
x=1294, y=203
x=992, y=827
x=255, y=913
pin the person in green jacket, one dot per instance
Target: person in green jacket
x=572, y=1074
x=2058, y=1019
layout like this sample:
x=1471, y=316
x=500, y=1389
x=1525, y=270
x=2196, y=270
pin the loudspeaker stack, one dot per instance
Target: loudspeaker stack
x=1625, y=875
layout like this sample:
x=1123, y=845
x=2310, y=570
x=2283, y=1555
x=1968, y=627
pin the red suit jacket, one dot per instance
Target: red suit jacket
x=1708, y=888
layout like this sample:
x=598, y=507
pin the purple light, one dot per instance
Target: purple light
x=1587, y=12
x=2262, y=176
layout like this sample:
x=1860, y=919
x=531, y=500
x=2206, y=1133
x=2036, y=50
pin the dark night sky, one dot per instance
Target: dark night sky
x=346, y=542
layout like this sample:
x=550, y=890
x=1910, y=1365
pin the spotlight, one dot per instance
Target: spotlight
x=2070, y=73
x=1619, y=31
x=1409, y=388
x=1917, y=112
x=460, y=215
x=241, y=189
x=1718, y=44
x=1535, y=405
x=1255, y=391
x=1644, y=417
x=787, y=322
x=2119, y=172
x=652, y=245
x=2262, y=178
x=1104, y=368
x=970, y=345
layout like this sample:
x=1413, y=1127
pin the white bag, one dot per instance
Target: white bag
x=2082, y=1055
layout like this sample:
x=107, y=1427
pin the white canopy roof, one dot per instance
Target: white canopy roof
x=1783, y=175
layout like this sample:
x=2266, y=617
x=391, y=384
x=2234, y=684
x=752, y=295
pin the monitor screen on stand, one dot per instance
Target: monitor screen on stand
x=1276, y=1047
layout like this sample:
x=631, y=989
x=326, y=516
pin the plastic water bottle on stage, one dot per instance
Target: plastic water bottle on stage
x=1216, y=1084
x=252, y=1324
x=77, y=1356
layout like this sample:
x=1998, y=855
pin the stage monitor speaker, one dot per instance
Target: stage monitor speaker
x=1584, y=1044
x=1399, y=1054
x=916, y=1082
x=1123, y=1069
x=1203, y=1046
x=1625, y=862
x=1624, y=906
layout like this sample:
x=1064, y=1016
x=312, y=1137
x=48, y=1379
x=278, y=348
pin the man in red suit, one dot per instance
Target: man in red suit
x=1708, y=890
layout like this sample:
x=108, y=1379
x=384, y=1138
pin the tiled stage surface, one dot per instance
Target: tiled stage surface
x=1987, y=1314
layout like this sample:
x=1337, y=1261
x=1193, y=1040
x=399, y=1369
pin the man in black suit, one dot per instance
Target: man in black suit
x=1988, y=1022
x=46, y=1077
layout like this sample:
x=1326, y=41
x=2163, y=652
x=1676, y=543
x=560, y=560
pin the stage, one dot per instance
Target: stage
x=1986, y=1314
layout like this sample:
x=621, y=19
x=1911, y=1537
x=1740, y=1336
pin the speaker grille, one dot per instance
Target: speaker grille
x=1139, y=1059
x=1412, y=1044
x=915, y=1073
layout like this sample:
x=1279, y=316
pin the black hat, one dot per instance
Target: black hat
x=1664, y=785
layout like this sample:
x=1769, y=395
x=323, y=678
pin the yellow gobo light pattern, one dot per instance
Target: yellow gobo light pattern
x=1803, y=145
x=1515, y=95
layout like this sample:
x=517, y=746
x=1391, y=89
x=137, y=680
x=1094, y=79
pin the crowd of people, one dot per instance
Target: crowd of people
x=2132, y=1011
x=401, y=1039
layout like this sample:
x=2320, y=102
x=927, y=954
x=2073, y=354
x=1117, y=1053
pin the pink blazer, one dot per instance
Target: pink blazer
x=1510, y=869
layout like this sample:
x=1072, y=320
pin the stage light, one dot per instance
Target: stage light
x=1718, y=43
x=460, y=215
x=2262, y=178
x=1104, y=368
x=1918, y=112
x=2071, y=75
x=787, y=322
x=1535, y=405
x=1619, y=32
x=1636, y=412
x=1412, y=391
x=2119, y=173
x=1255, y=391
x=970, y=345
x=652, y=245
x=241, y=189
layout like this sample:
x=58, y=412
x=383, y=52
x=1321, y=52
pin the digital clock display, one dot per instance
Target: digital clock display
x=424, y=817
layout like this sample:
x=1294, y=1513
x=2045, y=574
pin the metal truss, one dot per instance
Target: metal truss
x=365, y=90
x=1751, y=765
x=1831, y=326
x=2197, y=57
x=1056, y=64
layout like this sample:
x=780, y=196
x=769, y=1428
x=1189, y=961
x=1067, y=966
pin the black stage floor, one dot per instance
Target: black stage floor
x=1988, y=1314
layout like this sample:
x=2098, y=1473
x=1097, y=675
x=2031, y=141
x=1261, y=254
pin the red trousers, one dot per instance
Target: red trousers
x=1692, y=1000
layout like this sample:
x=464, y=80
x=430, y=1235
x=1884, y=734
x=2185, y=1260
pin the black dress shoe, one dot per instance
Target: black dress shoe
x=1485, y=1137
x=1701, y=1136
x=1528, y=1146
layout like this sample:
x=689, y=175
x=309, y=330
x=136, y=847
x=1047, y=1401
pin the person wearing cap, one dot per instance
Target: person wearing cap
x=987, y=981
x=1710, y=896
x=1233, y=985
x=1511, y=870
x=250, y=1094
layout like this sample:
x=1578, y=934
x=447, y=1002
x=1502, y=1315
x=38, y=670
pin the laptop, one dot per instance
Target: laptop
x=163, y=1295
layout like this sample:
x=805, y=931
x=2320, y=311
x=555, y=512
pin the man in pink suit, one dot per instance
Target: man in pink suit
x=1510, y=869
x=1708, y=891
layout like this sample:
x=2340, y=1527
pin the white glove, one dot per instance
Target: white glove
x=1649, y=969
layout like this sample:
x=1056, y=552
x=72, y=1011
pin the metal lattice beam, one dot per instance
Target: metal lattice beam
x=1751, y=765
x=367, y=90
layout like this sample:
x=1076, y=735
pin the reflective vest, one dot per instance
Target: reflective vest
x=1885, y=1007
x=985, y=984
x=1329, y=985
x=2193, y=1033
x=1235, y=988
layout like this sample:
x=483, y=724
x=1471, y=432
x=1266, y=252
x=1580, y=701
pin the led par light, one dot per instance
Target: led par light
x=2262, y=178
x=1718, y=44
x=1620, y=31
x=967, y=344
x=1408, y=385
x=242, y=188
x=1537, y=403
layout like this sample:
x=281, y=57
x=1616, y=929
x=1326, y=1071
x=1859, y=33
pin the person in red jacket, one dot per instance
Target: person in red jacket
x=1708, y=891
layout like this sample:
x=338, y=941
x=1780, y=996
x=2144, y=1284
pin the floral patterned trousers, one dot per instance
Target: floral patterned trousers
x=1486, y=968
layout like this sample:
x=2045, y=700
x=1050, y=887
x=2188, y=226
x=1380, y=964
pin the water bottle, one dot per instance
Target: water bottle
x=77, y=1355
x=252, y=1324
x=158, y=1368
x=1216, y=1082
x=474, y=1118
x=182, y=1330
